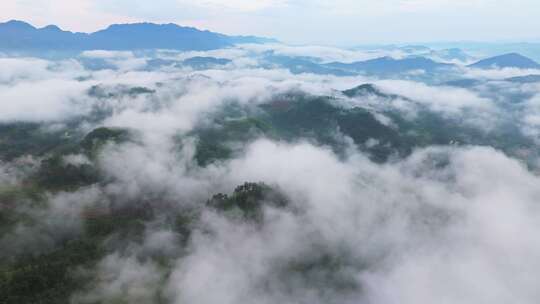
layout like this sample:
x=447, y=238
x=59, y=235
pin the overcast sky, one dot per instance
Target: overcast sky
x=338, y=22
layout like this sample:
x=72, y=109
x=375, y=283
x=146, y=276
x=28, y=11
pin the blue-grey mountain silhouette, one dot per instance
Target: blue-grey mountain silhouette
x=18, y=35
x=391, y=65
x=511, y=60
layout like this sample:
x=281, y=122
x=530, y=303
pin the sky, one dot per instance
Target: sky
x=330, y=22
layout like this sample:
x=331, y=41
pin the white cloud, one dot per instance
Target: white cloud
x=446, y=99
x=56, y=219
x=102, y=54
x=325, y=53
x=30, y=69
x=531, y=118
x=498, y=74
x=238, y=5
x=46, y=100
x=123, y=279
x=429, y=228
x=407, y=225
x=123, y=60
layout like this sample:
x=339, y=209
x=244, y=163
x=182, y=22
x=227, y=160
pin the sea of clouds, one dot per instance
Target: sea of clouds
x=405, y=231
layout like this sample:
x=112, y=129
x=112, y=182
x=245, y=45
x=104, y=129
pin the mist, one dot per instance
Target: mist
x=405, y=190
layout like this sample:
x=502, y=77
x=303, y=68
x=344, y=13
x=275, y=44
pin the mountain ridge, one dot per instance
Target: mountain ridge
x=510, y=60
x=388, y=64
x=20, y=35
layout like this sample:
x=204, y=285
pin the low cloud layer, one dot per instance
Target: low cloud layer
x=447, y=221
x=393, y=230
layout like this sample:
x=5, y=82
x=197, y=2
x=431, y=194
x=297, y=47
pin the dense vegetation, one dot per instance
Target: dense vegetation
x=54, y=274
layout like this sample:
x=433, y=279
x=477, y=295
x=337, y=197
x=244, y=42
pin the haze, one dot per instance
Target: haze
x=336, y=22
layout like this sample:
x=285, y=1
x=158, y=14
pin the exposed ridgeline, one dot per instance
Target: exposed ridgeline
x=391, y=65
x=364, y=114
x=18, y=35
x=375, y=126
x=512, y=60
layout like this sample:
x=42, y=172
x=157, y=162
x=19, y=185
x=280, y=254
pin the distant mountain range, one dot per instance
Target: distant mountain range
x=299, y=65
x=469, y=83
x=525, y=79
x=391, y=65
x=451, y=54
x=512, y=60
x=18, y=35
x=388, y=66
x=23, y=37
